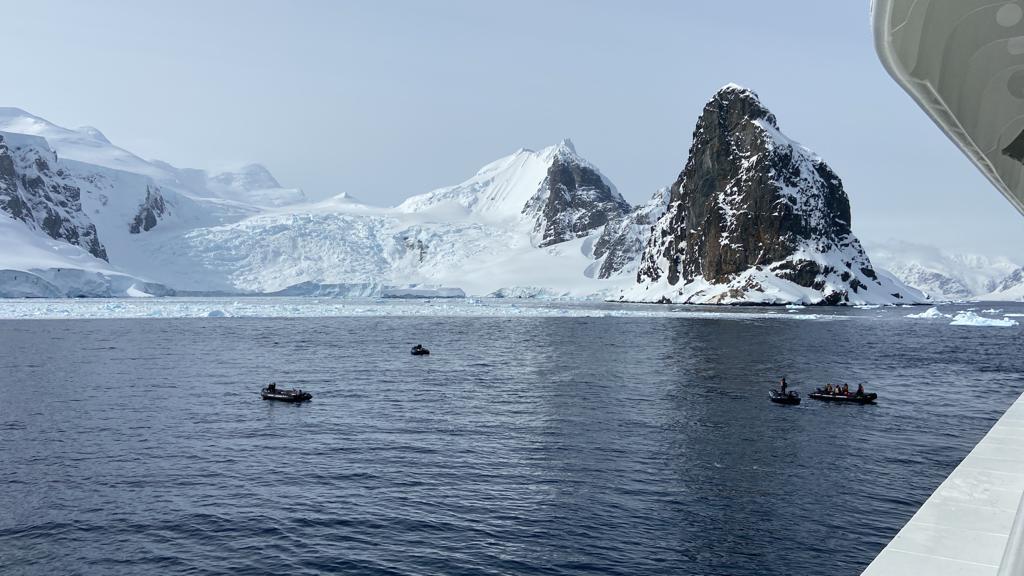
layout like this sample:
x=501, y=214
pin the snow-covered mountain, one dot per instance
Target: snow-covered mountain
x=561, y=194
x=523, y=225
x=951, y=276
x=755, y=217
x=75, y=187
x=249, y=184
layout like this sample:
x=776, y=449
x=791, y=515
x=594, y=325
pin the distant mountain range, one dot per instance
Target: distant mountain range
x=952, y=276
x=753, y=218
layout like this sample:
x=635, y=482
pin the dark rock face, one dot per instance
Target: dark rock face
x=150, y=211
x=574, y=200
x=750, y=198
x=33, y=191
x=623, y=239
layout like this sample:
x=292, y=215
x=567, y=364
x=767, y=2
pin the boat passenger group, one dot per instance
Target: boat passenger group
x=844, y=391
x=829, y=389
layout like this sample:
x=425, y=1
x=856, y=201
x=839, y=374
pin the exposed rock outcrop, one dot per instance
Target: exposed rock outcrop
x=35, y=189
x=623, y=239
x=150, y=211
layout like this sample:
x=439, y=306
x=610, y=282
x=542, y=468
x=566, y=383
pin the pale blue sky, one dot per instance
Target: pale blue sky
x=388, y=99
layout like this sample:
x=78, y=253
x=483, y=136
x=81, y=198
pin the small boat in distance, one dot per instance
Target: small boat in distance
x=865, y=398
x=791, y=397
x=419, y=350
x=272, y=392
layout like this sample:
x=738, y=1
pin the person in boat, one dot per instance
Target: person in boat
x=828, y=388
x=846, y=389
x=860, y=391
x=417, y=348
x=783, y=386
x=272, y=387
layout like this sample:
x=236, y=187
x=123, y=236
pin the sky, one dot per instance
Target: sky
x=388, y=99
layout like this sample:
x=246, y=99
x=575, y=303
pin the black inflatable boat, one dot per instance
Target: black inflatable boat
x=780, y=398
x=419, y=350
x=272, y=392
x=820, y=394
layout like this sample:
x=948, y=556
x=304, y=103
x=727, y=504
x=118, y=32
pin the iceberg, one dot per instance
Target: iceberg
x=932, y=312
x=972, y=319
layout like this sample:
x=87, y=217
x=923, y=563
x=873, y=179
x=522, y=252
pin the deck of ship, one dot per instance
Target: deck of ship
x=973, y=524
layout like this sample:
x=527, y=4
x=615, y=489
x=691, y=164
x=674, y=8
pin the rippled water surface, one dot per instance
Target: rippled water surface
x=520, y=446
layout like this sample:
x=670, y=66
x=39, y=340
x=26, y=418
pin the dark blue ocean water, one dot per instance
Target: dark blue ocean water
x=521, y=446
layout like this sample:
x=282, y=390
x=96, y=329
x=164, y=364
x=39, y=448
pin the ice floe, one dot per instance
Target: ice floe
x=283, y=307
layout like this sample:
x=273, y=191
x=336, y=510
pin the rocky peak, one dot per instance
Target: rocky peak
x=566, y=147
x=573, y=199
x=734, y=104
x=750, y=208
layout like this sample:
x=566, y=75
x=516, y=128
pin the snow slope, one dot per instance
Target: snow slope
x=496, y=193
x=1010, y=288
x=35, y=266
